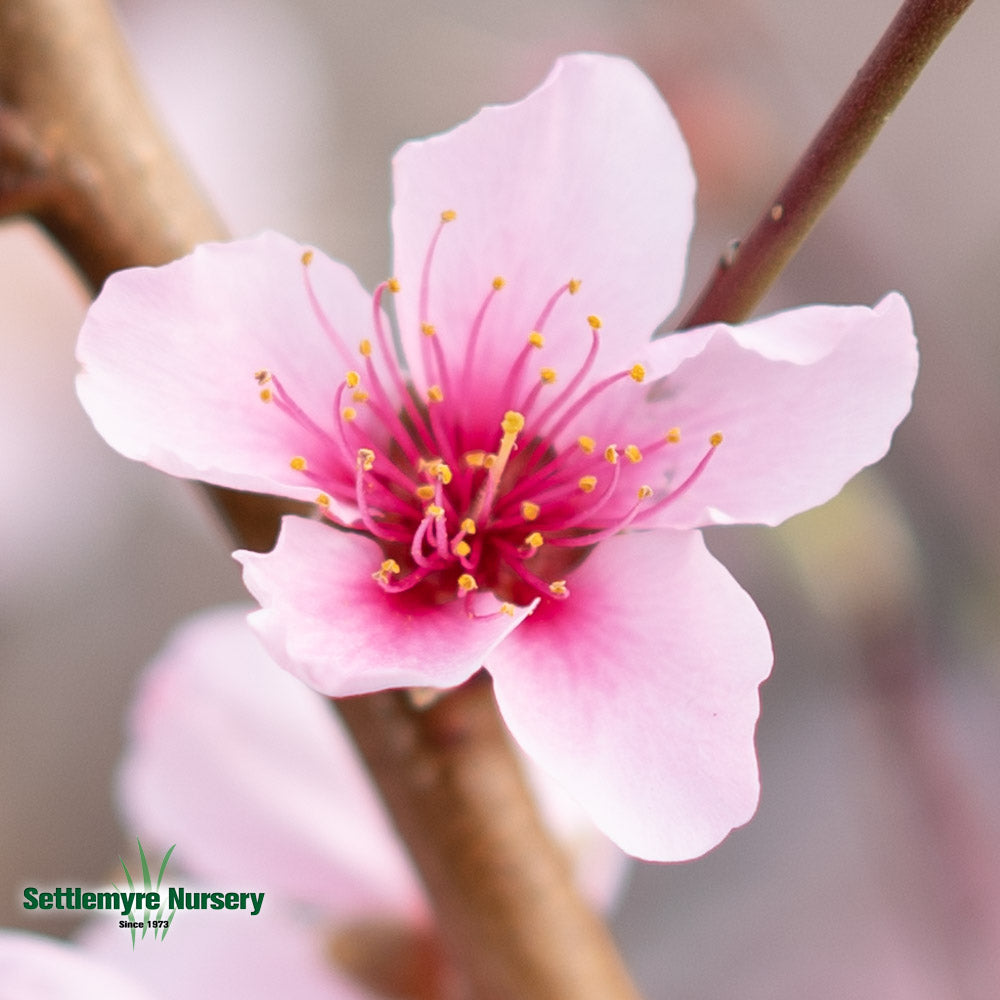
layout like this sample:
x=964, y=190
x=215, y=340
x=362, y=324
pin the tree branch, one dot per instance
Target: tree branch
x=108, y=169
x=742, y=278
x=458, y=796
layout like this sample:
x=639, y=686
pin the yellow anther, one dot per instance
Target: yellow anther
x=529, y=510
x=298, y=463
x=559, y=588
x=359, y=396
x=595, y=322
x=645, y=492
x=587, y=444
x=425, y=492
x=548, y=375
x=366, y=459
x=449, y=215
x=637, y=373
x=365, y=347
x=434, y=510
x=262, y=376
x=393, y=285
x=352, y=380
x=715, y=440
x=574, y=285
x=435, y=394
x=307, y=258
x=467, y=582
x=475, y=459
x=427, y=329
x=512, y=423
x=587, y=483
x=468, y=526
x=489, y=461
x=323, y=499
x=387, y=569
x=534, y=540
x=440, y=471
x=611, y=454
x=633, y=454
x=498, y=283
x=266, y=395
x=507, y=609
x=674, y=435
x=461, y=549
x=536, y=339
x=349, y=413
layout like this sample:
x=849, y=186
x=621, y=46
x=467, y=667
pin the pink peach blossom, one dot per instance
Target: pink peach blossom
x=475, y=481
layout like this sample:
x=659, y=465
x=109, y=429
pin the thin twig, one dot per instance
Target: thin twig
x=743, y=277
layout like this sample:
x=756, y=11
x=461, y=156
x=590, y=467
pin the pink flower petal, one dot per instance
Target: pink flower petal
x=169, y=356
x=804, y=400
x=587, y=178
x=325, y=620
x=251, y=775
x=34, y=967
x=639, y=693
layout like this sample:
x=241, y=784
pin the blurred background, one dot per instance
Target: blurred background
x=871, y=869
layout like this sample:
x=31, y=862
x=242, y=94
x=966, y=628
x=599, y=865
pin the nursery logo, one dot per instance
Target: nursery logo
x=145, y=906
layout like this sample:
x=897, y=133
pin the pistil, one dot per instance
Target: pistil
x=512, y=425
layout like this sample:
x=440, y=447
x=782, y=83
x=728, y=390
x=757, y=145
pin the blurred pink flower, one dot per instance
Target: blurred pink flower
x=216, y=956
x=487, y=477
x=216, y=953
x=34, y=966
x=251, y=775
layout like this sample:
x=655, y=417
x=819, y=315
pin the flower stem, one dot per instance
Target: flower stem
x=742, y=278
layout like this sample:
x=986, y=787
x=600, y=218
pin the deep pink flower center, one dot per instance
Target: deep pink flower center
x=459, y=504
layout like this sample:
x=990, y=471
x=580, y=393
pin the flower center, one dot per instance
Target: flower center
x=457, y=502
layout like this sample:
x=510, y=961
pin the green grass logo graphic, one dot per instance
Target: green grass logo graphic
x=156, y=922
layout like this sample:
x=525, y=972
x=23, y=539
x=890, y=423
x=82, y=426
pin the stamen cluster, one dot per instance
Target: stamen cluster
x=512, y=512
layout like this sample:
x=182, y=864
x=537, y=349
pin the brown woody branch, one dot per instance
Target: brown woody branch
x=459, y=800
